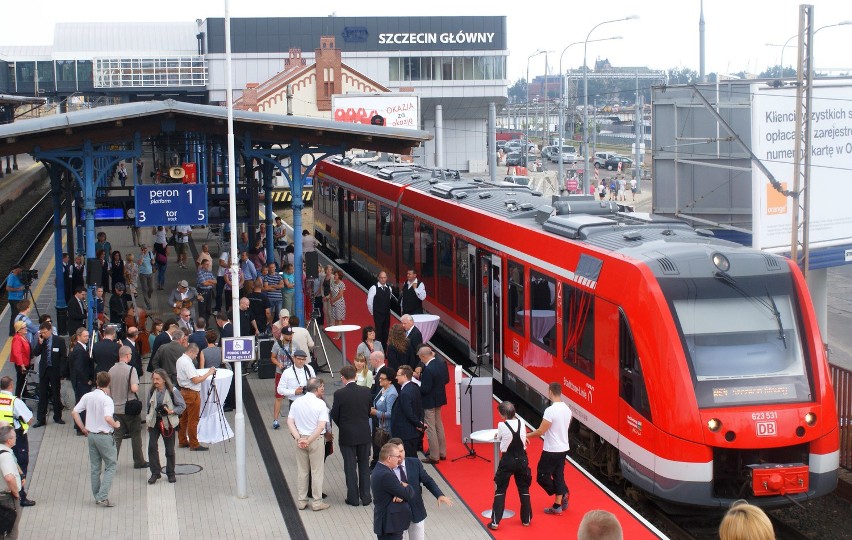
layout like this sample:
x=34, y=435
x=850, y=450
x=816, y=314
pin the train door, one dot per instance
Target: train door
x=343, y=226
x=486, y=309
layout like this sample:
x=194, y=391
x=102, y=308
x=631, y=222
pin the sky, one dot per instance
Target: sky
x=664, y=36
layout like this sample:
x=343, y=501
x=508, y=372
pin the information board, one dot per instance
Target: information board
x=171, y=204
x=238, y=349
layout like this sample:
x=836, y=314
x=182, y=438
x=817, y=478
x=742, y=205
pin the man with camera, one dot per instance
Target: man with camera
x=15, y=289
x=124, y=381
x=295, y=377
x=189, y=382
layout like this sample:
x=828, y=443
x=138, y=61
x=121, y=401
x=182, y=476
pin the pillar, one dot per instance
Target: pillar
x=439, y=137
x=298, y=205
x=492, y=141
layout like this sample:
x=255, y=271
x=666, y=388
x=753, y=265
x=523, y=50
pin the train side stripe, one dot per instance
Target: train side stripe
x=824, y=463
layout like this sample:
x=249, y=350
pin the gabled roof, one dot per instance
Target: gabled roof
x=117, y=123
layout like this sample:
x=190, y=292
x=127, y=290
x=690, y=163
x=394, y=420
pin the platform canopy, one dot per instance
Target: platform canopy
x=113, y=123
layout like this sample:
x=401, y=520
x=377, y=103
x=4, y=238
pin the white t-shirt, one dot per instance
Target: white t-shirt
x=224, y=269
x=185, y=231
x=308, y=412
x=556, y=438
x=98, y=406
x=9, y=465
x=185, y=372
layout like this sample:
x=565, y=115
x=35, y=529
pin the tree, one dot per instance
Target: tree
x=683, y=76
x=518, y=91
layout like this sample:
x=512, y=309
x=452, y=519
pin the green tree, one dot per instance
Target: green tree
x=518, y=91
x=683, y=75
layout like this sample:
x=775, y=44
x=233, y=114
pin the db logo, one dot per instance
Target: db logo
x=766, y=429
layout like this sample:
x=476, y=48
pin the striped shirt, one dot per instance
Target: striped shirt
x=203, y=275
x=273, y=280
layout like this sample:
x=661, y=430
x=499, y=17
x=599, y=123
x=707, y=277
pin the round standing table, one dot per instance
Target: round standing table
x=213, y=426
x=490, y=436
x=427, y=324
x=342, y=329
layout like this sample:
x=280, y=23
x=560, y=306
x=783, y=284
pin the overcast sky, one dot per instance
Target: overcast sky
x=665, y=35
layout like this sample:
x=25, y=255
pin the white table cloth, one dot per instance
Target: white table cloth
x=213, y=426
x=427, y=324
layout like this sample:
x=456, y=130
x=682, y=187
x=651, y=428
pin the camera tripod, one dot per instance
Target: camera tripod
x=214, y=393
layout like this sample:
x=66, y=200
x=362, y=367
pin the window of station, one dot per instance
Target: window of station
x=444, y=288
x=542, y=311
x=632, y=382
x=427, y=257
x=515, y=297
x=66, y=71
x=25, y=72
x=46, y=75
x=578, y=335
x=386, y=229
x=462, y=280
x=84, y=71
x=407, y=243
x=450, y=68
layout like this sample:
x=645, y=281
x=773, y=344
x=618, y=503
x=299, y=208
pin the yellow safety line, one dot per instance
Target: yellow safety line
x=4, y=354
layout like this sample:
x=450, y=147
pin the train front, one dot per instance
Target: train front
x=760, y=376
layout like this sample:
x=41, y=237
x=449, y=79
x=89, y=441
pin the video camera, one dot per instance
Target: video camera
x=28, y=276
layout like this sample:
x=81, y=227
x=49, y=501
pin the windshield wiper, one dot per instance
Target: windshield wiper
x=777, y=314
x=727, y=279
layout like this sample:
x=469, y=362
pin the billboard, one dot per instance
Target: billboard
x=773, y=142
x=396, y=110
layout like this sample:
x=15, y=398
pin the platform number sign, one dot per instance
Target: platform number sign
x=171, y=204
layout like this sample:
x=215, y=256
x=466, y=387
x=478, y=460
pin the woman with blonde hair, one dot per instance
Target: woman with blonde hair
x=363, y=375
x=745, y=522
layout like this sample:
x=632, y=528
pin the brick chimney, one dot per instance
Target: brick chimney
x=295, y=59
x=248, y=101
x=328, y=72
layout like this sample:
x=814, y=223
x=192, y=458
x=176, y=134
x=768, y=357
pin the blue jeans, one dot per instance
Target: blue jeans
x=102, y=450
x=161, y=274
x=275, y=306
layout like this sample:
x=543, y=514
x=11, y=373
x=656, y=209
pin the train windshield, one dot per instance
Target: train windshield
x=742, y=339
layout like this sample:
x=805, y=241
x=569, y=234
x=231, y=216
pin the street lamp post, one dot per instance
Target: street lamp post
x=586, y=100
x=781, y=73
x=560, y=180
x=527, y=114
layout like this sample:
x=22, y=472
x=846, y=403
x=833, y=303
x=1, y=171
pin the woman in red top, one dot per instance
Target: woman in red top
x=20, y=354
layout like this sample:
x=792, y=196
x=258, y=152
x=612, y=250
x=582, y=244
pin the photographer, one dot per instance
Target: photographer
x=295, y=377
x=15, y=289
x=163, y=415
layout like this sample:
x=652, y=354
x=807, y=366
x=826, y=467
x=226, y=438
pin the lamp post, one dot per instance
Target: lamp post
x=781, y=73
x=562, y=103
x=527, y=113
x=586, y=100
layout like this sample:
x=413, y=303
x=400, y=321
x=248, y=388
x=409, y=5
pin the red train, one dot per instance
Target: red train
x=694, y=366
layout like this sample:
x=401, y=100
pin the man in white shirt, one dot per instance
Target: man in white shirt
x=224, y=268
x=294, y=379
x=189, y=382
x=379, y=300
x=301, y=337
x=98, y=430
x=413, y=294
x=551, y=466
x=182, y=233
x=307, y=422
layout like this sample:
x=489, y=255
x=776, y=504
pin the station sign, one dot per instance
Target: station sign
x=171, y=204
x=238, y=349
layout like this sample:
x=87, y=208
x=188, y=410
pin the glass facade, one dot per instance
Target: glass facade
x=169, y=71
x=448, y=68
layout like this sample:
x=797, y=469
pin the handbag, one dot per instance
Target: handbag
x=133, y=407
x=381, y=437
x=160, y=258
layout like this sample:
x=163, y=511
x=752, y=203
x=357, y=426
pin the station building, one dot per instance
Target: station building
x=455, y=65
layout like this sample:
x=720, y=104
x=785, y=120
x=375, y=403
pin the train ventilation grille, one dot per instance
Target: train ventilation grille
x=668, y=266
x=771, y=262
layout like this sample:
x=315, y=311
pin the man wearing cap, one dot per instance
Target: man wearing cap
x=282, y=357
x=295, y=377
x=184, y=296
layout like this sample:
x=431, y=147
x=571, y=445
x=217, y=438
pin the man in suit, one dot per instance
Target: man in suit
x=51, y=367
x=105, y=351
x=351, y=413
x=433, y=389
x=391, y=512
x=135, y=356
x=77, y=311
x=407, y=416
x=412, y=333
x=185, y=321
x=169, y=328
x=167, y=355
x=379, y=304
x=199, y=337
x=226, y=329
x=413, y=472
x=81, y=369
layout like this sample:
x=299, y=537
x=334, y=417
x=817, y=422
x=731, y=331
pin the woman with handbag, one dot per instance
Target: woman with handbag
x=161, y=257
x=164, y=409
x=381, y=410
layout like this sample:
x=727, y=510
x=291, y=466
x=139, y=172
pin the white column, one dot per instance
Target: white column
x=439, y=137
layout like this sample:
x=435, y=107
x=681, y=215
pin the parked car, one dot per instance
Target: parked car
x=549, y=152
x=515, y=159
x=501, y=145
x=612, y=163
x=602, y=157
x=518, y=180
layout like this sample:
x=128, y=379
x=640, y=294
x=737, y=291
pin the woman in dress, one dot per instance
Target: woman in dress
x=211, y=356
x=116, y=269
x=368, y=343
x=363, y=375
x=400, y=352
x=336, y=300
x=164, y=409
x=131, y=274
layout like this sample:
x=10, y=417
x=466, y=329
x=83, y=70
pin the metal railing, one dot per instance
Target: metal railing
x=842, y=380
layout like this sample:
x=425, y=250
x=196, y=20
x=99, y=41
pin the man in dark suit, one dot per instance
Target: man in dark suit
x=167, y=355
x=407, y=416
x=51, y=367
x=351, y=413
x=169, y=328
x=391, y=512
x=416, y=475
x=199, y=336
x=412, y=333
x=226, y=329
x=105, y=351
x=433, y=389
x=136, y=356
x=77, y=311
x=81, y=370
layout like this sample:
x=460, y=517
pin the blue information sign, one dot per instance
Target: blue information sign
x=238, y=349
x=171, y=204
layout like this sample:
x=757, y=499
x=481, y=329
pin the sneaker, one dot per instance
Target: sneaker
x=565, y=502
x=301, y=505
x=275, y=424
x=551, y=510
x=320, y=506
x=105, y=503
x=493, y=526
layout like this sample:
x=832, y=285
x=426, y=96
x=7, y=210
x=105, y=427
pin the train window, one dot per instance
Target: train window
x=427, y=257
x=462, y=280
x=319, y=199
x=359, y=210
x=632, y=382
x=407, y=243
x=444, y=287
x=515, y=295
x=386, y=229
x=578, y=336
x=371, y=228
x=543, y=311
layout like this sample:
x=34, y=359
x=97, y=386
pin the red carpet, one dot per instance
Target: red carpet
x=473, y=478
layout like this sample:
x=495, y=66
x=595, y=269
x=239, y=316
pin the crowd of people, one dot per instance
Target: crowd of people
x=387, y=410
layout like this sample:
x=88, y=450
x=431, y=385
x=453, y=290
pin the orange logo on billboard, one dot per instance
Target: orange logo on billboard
x=776, y=202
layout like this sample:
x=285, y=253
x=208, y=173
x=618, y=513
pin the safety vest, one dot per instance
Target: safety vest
x=7, y=411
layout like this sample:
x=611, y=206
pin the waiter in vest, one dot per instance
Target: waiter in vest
x=413, y=294
x=13, y=411
x=379, y=303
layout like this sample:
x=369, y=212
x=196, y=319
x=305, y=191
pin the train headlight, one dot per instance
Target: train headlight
x=721, y=262
x=810, y=419
x=714, y=425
